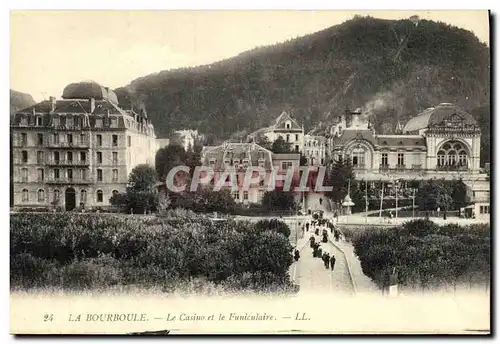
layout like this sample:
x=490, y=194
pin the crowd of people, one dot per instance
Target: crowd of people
x=322, y=226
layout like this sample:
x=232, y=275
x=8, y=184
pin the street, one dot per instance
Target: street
x=311, y=274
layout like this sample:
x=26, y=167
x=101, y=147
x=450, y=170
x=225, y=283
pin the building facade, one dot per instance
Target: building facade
x=441, y=142
x=315, y=150
x=289, y=129
x=78, y=150
x=241, y=156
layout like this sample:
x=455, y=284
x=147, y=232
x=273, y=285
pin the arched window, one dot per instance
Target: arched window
x=26, y=196
x=453, y=153
x=99, y=196
x=83, y=196
x=41, y=196
x=115, y=192
x=358, y=157
x=462, y=158
x=452, y=157
x=57, y=194
x=441, y=158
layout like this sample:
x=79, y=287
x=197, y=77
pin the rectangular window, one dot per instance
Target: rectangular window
x=114, y=122
x=39, y=121
x=129, y=141
x=115, y=175
x=289, y=164
x=69, y=157
x=69, y=121
x=283, y=165
x=56, y=173
x=99, y=140
x=24, y=175
x=39, y=157
x=40, y=139
x=83, y=174
x=40, y=174
x=245, y=195
x=99, y=175
x=98, y=123
x=401, y=159
x=55, y=121
x=56, y=157
x=25, y=195
x=287, y=137
x=385, y=159
x=99, y=196
x=83, y=156
x=82, y=139
x=69, y=138
x=24, y=139
x=296, y=137
x=236, y=195
x=115, y=140
x=296, y=148
x=70, y=174
x=55, y=139
x=24, y=157
x=115, y=157
x=99, y=157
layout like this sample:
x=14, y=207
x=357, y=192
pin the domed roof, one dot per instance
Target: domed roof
x=88, y=89
x=436, y=115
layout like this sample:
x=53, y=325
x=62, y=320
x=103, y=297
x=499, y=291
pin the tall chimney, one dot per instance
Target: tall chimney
x=52, y=104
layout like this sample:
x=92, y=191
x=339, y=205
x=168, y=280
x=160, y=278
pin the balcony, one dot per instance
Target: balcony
x=383, y=168
x=451, y=168
x=65, y=162
x=359, y=167
x=400, y=168
x=53, y=180
x=60, y=144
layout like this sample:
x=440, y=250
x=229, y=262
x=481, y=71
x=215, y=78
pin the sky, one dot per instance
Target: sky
x=51, y=49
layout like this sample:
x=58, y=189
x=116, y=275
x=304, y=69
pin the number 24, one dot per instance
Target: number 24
x=48, y=317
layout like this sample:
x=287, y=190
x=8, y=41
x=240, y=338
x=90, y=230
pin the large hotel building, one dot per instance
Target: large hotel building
x=78, y=150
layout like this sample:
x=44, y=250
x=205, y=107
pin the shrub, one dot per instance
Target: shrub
x=95, y=250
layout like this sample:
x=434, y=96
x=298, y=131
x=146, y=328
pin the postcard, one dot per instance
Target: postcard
x=250, y=172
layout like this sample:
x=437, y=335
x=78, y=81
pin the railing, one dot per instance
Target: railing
x=65, y=144
x=383, y=167
x=68, y=162
x=452, y=168
x=400, y=167
x=68, y=181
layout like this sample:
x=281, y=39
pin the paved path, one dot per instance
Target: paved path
x=311, y=274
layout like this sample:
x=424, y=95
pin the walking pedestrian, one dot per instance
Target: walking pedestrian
x=332, y=262
x=327, y=261
x=319, y=252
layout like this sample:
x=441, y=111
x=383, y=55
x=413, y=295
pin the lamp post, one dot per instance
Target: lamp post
x=413, y=204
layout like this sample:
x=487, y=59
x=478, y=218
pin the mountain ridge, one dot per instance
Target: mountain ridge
x=362, y=63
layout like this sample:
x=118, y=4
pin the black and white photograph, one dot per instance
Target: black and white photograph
x=250, y=172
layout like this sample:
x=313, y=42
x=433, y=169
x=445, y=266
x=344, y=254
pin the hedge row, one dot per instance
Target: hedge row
x=87, y=250
x=425, y=255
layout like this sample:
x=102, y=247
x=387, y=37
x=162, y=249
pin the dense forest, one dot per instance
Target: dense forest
x=391, y=69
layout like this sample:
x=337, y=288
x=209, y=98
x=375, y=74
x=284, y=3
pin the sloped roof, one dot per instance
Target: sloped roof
x=478, y=185
x=436, y=115
x=281, y=120
x=401, y=140
x=228, y=151
x=348, y=135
